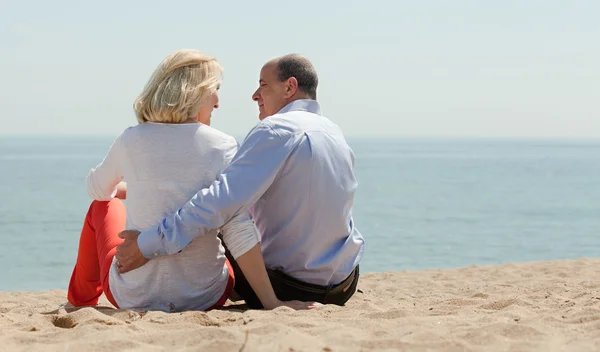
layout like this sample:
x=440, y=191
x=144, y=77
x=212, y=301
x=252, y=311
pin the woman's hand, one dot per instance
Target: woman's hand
x=253, y=266
x=121, y=191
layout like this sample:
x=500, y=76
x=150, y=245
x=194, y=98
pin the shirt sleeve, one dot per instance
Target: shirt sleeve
x=242, y=183
x=240, y=234
x=101, y=182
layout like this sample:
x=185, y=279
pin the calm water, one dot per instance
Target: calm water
x=420, y=203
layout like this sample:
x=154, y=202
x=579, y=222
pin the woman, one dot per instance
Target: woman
x=166, y=159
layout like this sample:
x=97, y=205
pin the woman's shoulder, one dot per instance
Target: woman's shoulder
x=215, y=133
x=216, y=137
x=149, y=136
x=148, y=129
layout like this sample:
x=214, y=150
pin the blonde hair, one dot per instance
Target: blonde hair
x=178, y=87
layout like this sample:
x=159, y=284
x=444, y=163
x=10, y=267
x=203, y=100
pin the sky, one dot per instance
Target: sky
x=386, y=68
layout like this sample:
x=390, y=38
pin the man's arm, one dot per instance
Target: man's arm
x=242, y=183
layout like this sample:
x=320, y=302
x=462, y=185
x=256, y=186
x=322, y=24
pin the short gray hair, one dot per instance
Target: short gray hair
x=295, y=65
x=178, y=87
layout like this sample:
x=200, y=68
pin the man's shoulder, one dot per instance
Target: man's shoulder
x=267, y=127
x=296, y=122
x=284, y=125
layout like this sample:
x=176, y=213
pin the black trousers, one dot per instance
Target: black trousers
x=288, y=288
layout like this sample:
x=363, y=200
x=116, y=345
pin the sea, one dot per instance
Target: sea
x=420, y=203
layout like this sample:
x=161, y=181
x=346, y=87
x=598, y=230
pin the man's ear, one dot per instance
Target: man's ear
x=291, y=87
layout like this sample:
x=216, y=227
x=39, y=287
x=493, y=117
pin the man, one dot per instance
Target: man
x=294, y=173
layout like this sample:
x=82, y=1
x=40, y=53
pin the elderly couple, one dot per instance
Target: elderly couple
x=270, y=220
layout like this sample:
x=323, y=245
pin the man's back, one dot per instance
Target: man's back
x=305, y=216
x=294, y=172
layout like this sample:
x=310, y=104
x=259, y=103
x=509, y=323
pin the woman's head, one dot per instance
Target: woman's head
x=183, y=88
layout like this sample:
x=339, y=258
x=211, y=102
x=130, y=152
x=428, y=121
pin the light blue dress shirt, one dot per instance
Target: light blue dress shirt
x=294, y=173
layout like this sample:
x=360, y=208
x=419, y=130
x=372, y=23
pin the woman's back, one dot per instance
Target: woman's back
x=164, y=165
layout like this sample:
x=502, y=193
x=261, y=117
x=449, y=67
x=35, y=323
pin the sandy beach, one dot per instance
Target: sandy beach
x=541, y=306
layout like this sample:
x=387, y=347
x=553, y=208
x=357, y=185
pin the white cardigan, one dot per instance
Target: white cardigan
x=164, y=166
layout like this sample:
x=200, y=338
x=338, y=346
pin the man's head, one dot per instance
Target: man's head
x=283, y=80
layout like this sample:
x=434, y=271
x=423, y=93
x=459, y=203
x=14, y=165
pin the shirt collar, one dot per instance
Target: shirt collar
x=307, y=105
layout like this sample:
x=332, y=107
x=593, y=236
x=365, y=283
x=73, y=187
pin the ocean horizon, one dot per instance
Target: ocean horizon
x=421, y=203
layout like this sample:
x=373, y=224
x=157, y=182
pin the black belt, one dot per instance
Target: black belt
x=343, y=286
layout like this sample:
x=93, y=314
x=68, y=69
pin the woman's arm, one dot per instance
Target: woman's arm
x=242, y=239
x=102, y=181
x=252, y=265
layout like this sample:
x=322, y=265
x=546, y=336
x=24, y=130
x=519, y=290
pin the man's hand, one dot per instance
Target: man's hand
x=129, y=257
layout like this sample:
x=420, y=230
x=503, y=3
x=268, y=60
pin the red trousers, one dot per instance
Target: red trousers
x=97, y=248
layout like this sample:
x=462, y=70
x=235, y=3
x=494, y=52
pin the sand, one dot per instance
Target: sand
x=542, y=306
